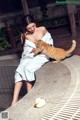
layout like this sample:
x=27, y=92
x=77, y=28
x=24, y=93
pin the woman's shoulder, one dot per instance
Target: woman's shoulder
x=43, y=28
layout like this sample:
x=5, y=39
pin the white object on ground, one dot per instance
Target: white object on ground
x=39, y=102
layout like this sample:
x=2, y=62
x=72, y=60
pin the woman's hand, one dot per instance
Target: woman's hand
x=33, y=50
x=23, y=35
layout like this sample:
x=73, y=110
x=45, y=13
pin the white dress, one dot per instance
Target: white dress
x=30, y=63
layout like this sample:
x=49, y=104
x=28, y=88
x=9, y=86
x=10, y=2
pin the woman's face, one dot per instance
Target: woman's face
x=31, y=27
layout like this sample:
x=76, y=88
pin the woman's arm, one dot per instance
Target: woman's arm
x=22, y=37
x=44, y=30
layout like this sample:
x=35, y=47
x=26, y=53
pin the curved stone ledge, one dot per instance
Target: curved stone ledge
x=53, y=82
x=68, y=107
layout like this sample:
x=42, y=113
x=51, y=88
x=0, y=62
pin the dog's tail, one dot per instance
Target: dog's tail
x=72, y=48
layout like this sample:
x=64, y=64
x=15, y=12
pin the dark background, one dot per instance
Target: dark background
x=7, y=6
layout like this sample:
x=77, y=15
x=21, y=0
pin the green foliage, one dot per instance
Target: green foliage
x=4, y=44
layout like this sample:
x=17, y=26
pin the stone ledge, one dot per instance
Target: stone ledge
x=54, y=81
x=50, y=85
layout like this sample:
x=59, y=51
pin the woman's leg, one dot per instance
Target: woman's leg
x=34, y=65
x=29, y=86
x=17, y=89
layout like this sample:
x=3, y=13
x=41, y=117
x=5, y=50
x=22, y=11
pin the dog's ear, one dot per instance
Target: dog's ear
x=36, y=42
x=39, y=41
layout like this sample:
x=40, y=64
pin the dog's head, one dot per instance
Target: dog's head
x=38, y=43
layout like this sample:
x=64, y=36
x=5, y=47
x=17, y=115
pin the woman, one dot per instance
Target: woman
x=30, y=63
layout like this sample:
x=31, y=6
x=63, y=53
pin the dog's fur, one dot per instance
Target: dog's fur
x=52, y=52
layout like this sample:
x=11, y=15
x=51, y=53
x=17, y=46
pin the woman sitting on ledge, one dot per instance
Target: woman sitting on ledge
x=28, y=62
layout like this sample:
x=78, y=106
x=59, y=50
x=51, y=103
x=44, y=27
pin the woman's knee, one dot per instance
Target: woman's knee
x=17, y=77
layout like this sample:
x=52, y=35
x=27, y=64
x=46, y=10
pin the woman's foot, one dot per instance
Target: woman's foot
x=13, y=103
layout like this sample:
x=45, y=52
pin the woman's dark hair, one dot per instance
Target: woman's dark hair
x=27, y=20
